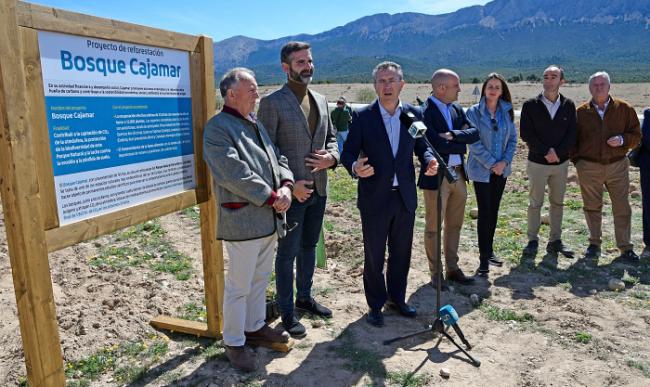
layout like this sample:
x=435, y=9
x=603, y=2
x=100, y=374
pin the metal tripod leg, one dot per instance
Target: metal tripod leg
x=475, y=362
x=428, y=329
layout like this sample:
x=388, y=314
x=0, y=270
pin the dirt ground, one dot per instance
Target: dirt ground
x=546, y=322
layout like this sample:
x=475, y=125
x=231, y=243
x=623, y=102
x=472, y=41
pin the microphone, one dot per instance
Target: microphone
x=449, y=316
x=417, y=129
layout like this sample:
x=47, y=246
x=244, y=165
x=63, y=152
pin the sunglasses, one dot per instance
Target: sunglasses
x=495, y=127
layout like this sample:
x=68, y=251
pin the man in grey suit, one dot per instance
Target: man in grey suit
x=253, y=183
x=299, y=124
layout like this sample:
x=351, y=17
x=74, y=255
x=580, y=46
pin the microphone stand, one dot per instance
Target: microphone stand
x=418, y=130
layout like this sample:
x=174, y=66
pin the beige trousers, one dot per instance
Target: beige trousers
x=454, y=197
x=614, y=177
x=539, y=175
x=244, y=298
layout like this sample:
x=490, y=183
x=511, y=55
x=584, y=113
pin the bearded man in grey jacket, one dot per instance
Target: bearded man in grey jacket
x=298, y=122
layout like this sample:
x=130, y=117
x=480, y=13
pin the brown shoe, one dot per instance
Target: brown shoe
x=241, y=359
x=266, y=333
x=460, y=277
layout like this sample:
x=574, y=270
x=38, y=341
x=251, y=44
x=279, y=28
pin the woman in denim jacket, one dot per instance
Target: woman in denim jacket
x=490, y=159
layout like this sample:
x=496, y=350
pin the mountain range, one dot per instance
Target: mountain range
x=508, y=36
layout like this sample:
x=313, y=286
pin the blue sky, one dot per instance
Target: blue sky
x=261, y=19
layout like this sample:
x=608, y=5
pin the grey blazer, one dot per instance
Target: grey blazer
x=289, y=130
x=246, y=167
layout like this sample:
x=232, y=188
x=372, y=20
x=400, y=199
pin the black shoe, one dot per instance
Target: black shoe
x=460, y=277
x=592, y=252
x=531, y=248
x=403, y=308
x=495, y=261
x=646, y=253
x=313, y=307
x=483, y=270
x=294, y=327
x=629, y=256
x=375, y=318
x=434, y=285
x=558, y=247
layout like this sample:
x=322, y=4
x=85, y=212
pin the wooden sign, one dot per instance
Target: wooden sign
x=102, y=127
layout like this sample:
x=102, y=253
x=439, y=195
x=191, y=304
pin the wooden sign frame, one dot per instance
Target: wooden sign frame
x=27, y=181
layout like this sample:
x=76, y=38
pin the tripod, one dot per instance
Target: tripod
x=445, y=315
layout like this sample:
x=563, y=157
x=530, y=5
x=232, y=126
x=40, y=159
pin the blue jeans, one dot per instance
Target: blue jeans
x=299, y=245
x=340, y=139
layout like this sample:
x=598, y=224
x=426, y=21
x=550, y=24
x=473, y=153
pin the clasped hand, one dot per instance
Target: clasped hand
x=283, y=200
x=303, y=189
x=498, y=168
x=615, y=141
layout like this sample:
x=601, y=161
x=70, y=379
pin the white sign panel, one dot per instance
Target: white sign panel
x=120, y=123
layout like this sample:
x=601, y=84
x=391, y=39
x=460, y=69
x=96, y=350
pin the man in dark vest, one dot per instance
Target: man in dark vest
x=548, y=126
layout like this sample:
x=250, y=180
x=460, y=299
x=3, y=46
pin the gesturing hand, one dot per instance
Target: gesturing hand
x=318, y=160
x=432, y=168
x=362, y=169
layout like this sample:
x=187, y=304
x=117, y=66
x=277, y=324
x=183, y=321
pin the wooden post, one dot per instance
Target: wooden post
x=22, y=209
x=212, y=248
x=203, y=89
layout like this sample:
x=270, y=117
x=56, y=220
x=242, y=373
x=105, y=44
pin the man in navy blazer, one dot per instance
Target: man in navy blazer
x=644, y=169
x=379, y=151
x=448, y=131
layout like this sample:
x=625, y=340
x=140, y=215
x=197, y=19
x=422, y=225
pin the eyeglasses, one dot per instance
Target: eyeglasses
x=389, y=81
x=495, y=127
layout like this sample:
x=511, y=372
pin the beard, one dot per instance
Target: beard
x=304, y=77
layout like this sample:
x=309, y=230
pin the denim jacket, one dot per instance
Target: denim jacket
x=492, y=146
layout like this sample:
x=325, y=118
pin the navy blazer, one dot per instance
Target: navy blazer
x=367, y=134
x=644, y=156
x=435, y=122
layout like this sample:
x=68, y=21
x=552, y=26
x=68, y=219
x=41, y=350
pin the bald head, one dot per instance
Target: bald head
x=445, y=85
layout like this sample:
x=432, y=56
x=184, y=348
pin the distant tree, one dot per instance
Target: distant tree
x=476, y=80
x=365, y=95
x=515, y=79
x=533, y=78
